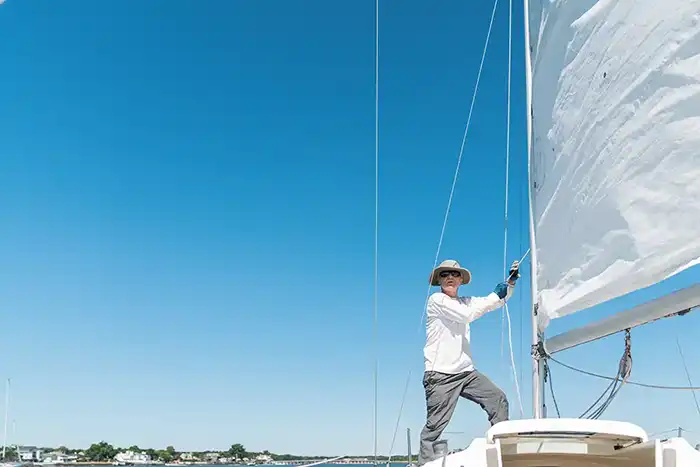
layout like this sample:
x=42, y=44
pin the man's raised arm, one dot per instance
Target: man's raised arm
x=468, y=309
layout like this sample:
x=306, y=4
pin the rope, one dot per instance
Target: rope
x=510, y=344
x=596, y=409
x=505, y=230
x=672, y=430
x=505, y=215
x=524, y=206
x=634, y=383
x=449, y=205
x=678, y=429
x=512, y=362
x=623, y=373
x=548, y=376
x=687, y=374
x=376, y=228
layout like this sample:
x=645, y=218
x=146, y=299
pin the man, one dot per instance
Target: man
x=449, y=370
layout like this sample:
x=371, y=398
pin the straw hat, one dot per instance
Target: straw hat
x=449, y=265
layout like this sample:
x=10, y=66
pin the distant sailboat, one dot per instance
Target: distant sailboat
x=5, y=463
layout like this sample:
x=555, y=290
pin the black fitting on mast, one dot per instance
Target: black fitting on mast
x=538, y=355
x=537, y=350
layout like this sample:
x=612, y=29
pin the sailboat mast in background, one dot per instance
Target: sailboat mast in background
x=7, y=406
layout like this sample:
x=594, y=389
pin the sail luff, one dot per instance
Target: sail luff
x=537, y=369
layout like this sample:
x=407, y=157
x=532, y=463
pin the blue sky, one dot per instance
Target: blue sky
x=187, y=223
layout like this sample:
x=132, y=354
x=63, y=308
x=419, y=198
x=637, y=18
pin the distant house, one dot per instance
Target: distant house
x=29, y=454
x=263, y=459
x=212, y=457
x=58, y=457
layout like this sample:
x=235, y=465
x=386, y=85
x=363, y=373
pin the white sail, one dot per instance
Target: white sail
x=615, y=157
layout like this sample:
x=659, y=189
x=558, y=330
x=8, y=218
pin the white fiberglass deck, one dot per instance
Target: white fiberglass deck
x=570, y=443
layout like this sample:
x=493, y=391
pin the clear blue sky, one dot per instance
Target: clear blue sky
x=187, y=223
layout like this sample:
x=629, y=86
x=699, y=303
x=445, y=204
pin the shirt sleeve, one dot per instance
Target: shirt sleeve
x=465, y=309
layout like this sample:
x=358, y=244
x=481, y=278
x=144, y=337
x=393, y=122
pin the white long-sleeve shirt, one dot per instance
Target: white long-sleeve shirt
x=447, y=348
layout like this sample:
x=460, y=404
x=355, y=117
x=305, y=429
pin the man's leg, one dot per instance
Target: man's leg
x=441, y=395
x=478, y=388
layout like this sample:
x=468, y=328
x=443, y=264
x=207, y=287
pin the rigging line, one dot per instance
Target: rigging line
x=398, y=420
x=624, y=371
x=505, y=215
x=524, y=256
x=521, y=296
x=597, y=408
x=508, y=105
x=672, y=430
x=593, y=405
x=376, y=227
x=325, y=461
x=593, y=413
x=548, y=375
x=510, y=344
x=522, y=227
x=506, y=312
x=634, y=383
x=452, y=189
x=687, y=373
x=512, y=361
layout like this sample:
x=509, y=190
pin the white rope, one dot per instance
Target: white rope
x=505, y=215
x=376, y=226
x=325, y=461
x=512, y=362
x=510, y=345
x=505, y=230
x=447, y=211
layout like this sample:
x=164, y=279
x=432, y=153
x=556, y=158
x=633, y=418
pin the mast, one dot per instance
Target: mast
x=408, y=444
x=537, y=364
x=7, y=404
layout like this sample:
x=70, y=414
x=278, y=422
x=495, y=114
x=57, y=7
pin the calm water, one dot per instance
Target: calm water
x=379, y=464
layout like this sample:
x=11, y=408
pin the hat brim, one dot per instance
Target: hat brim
x=435, y=276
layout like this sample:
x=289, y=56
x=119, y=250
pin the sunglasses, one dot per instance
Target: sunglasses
x=444, y=274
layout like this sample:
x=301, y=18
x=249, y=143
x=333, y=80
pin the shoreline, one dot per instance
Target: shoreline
x=205, y=464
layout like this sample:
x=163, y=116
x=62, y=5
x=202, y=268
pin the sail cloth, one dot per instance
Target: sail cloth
x=615, y=151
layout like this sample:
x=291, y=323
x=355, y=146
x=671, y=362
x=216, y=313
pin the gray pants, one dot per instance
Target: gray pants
x=442, y=391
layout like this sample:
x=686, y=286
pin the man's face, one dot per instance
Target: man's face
x=450, y=281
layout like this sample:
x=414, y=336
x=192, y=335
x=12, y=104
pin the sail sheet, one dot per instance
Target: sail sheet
x=615, y=147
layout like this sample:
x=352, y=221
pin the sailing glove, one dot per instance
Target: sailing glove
x=501, y=290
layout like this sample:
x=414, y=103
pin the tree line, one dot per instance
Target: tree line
x=103, y=452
